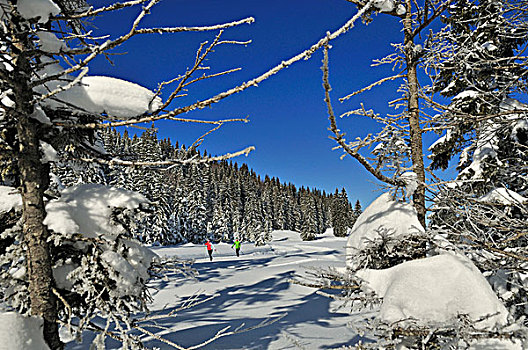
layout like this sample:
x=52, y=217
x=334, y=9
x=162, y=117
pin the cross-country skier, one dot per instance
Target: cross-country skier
x=210, y=248
x=237, y=246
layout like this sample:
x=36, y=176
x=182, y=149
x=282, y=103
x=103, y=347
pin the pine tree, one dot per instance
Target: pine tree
x=340, y=213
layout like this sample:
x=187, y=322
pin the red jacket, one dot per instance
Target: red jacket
x=209, y=245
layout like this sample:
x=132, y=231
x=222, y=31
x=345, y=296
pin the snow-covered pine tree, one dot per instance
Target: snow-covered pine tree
x=197, y=206
x=356, y=213
x=340, y=213
x=484, y=211
x=309, y=222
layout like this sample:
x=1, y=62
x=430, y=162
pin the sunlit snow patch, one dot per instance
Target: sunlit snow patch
x=10, y=198
x=503, y=196
x=87, y=208
x=435, y=290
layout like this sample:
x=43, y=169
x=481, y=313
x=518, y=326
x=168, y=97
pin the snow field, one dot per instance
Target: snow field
x=252, y=289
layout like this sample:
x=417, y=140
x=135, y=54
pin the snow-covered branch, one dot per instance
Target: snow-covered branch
x=379, y=82
x=167, y=163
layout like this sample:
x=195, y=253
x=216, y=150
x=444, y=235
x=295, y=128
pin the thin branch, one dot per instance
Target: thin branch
x=339, y=137
x=200, y=139
x=379, y=82
x=164, y=163
x=108, y=45
x=67, y=86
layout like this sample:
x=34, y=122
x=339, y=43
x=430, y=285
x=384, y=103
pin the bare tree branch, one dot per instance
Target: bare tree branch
x=339, y=136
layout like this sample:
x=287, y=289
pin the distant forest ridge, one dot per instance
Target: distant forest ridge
x=217, y=200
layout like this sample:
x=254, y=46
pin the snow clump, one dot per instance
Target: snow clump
x=503, y=196
x=41, y=9
x=397, y=218
x=87, y=209
x=10, y=199
x=435, y=290
x=19, y=332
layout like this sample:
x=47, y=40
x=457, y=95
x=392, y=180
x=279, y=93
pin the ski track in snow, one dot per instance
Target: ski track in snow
x=250, y=289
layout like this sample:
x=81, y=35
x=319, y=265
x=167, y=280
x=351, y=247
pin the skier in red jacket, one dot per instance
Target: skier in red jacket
x=210, y=248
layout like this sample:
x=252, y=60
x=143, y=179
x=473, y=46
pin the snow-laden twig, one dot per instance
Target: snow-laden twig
x=75, y=81
x=379, y=82
x=165, y=163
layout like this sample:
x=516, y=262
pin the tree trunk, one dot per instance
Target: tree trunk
x=414, y=114
x=34, y=179
x=38, y=260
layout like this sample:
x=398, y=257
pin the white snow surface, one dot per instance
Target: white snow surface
x=128, y=272
x=384, y=5
x=40, y=115
x=503, y=196
x=87, y=208
x=399, y=218
x=466, y=94
x=19, y=332
x=435, y=290
x=496, y=344
x=10, y=198
x=487, y=145
x=117, y=97
x=511, y=104
x=43, y=9
x=249, y=290
x=411, y=182
x=441, y=140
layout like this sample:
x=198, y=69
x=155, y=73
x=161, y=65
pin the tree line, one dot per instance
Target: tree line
x=218, y=200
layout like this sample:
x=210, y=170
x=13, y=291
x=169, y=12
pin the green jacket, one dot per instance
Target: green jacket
x=236, y=245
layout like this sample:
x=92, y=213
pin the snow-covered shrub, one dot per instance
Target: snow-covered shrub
x=385, y=234
x=99, y=270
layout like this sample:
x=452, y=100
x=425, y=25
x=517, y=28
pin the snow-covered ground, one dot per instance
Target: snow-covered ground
x=252, y=289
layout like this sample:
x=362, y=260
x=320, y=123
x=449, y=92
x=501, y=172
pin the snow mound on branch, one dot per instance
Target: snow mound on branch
x=19, y=332
x=446, y=138
x=50, y=43
x=435, y=290
x=10, y=199
x=511, y=104
x=42, y=9
x=97, y=94
x=466, y=94
x=503, y=196
x=119, y=98
x=398, y=218
x=87, y=209
x=497, y=344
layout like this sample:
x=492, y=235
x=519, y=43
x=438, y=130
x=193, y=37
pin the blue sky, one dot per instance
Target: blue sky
x=288, y=119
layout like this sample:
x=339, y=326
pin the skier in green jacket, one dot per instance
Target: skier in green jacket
x=237, y=246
